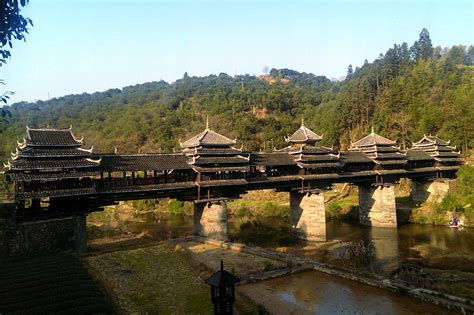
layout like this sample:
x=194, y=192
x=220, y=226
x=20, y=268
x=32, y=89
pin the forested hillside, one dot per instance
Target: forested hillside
x=405, y=93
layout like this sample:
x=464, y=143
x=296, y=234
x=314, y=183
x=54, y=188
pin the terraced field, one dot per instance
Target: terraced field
x=55, y=283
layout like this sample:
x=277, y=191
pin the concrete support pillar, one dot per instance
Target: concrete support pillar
x=377, y=206
x=80, y=233
x=210, y=220
x=435, y=191
x=308, y=216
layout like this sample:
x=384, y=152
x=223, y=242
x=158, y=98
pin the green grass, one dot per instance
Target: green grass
x=343, y=208
x=153, y=280
x=56, y=283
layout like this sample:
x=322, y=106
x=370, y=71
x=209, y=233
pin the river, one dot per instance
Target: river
x=314, y=292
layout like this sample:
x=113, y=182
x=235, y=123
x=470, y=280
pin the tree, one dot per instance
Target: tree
x=349, y=70
x=422, y=48
x=12, y=26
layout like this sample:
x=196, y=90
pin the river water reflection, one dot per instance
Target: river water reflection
x=318, y=293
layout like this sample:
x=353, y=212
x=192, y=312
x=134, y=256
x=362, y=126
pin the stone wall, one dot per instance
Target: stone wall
x=68, y=233
x=430, y=192
x=307, y=214
x=377, y=206
x=210, y=220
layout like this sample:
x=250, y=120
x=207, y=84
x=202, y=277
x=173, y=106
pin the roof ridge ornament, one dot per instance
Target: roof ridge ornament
x=372, y=132
x=302, y=120
x=207, y=122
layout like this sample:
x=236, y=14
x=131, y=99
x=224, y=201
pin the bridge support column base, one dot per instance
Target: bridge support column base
x=210, y=220
x=377, y=206
x=308, y=216
x=434, y=191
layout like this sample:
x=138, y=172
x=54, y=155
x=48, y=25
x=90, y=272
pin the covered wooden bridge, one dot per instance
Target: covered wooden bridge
x=52, y=170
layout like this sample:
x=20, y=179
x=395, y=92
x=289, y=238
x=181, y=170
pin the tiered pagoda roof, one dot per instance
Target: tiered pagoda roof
x=303, y=135
x=305, y=150
x=380, y=149
x=211, y=152
x=438, y=149
x=51, y=150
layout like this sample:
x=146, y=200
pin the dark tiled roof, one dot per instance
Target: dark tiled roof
x=438, y=149
x=20, y=176
x=52, y=152
x=221, y=169
x=418, y=155
x=391, y=162
x=319, y=165
x=51, y=137
x=212, y=151
x=372, y=139
x=219, y=160
x=316, y=157
x=143, y=162
x=430, y=140
x=304, y=135
x=38, y=164
x=273, y=159
x=348, y=157
x=308, y=149
x=207, y=138
x=449, y=160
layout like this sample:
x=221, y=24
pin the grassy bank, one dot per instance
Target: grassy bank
x=168, y=278
x=154, y=280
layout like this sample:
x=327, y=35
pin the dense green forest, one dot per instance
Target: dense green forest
x=405, y=93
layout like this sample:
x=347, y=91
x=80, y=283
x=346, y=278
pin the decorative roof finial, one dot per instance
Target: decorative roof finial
x=207, y=122
x=302, y=120
x=372, y=130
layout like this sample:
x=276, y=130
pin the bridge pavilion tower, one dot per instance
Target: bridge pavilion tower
x=445, y=158
x=307, y=213
x=50, y=164
x=377, y=201
x=213, y=157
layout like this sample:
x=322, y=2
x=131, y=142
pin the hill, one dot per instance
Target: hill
x=405, y=93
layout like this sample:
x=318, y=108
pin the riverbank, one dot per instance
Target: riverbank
x=174, y=270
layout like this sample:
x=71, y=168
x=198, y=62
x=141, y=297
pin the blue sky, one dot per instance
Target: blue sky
x=88, y=46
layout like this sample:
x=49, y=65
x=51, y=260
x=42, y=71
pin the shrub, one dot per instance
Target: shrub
x=243, y=211
x=273, y=209
x=144, y=205
x=268, y=265
x=177, y=207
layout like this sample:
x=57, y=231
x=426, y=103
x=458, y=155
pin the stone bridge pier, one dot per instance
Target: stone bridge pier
x=377, y=205
x=210, y=220
x=430, y=191
x=307, y=215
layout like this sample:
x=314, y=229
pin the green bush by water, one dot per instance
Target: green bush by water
x=177, y=207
